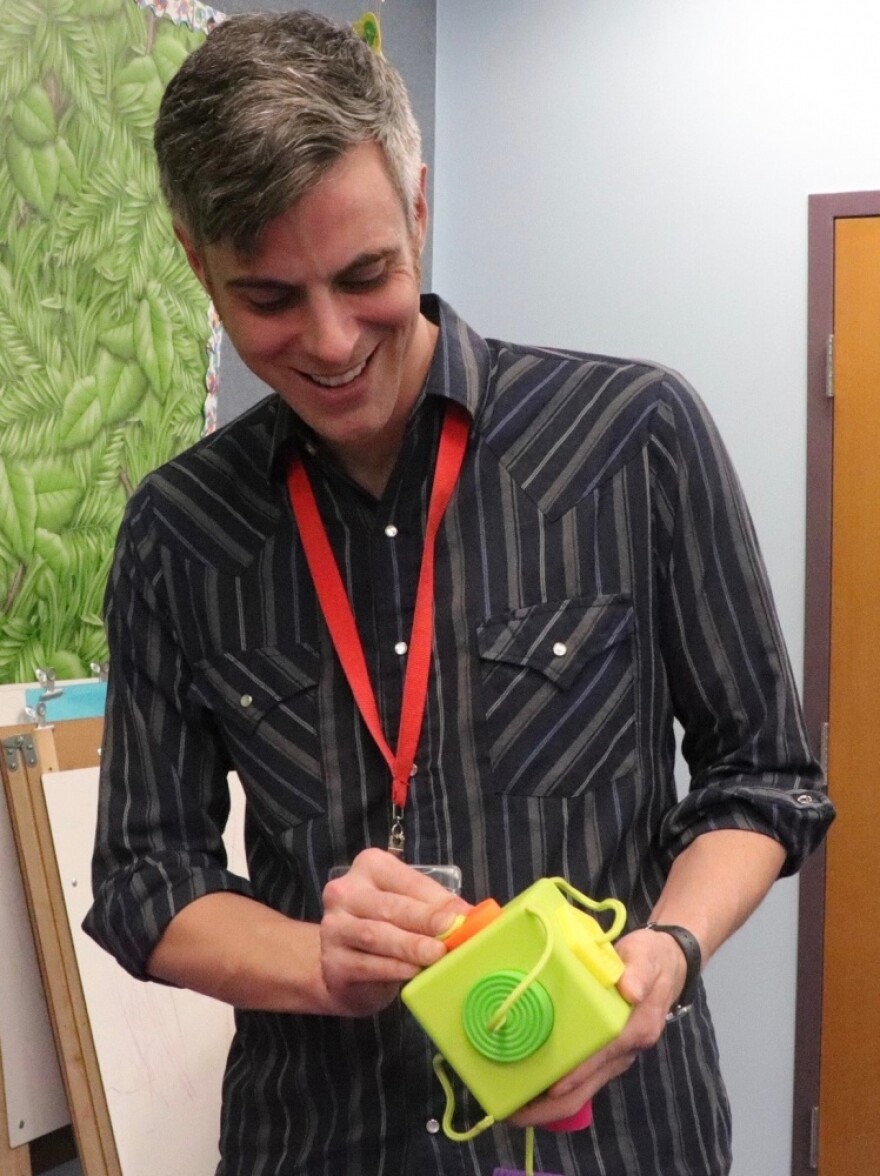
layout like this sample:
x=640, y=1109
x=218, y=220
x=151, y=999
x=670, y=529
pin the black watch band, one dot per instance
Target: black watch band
x=693, y=958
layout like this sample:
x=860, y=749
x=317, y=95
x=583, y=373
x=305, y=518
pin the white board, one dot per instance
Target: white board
x=35, y=1100
x=161, y=1051
x=12, y=704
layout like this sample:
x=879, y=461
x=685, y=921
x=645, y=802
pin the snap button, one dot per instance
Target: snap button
x=391, y=531
x=804, y=798
x=246, y=700
x=400, y=648
x=560, y=649
x=432, y=1126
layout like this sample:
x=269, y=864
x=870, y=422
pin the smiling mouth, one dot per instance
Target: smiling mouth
x=342, y=379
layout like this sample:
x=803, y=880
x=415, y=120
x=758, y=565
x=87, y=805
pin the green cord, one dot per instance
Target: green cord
x=530, y=1151
x=448, y=1130
x=500, y=1015
x=484, y=1124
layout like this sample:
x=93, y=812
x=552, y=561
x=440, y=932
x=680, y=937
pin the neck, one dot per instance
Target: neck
x=371, y=470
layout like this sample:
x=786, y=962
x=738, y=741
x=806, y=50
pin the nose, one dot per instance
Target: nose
x=329, y=332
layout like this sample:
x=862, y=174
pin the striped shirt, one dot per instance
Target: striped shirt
x=596, y=576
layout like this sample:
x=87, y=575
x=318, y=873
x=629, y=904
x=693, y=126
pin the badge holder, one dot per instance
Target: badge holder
x=448, y=876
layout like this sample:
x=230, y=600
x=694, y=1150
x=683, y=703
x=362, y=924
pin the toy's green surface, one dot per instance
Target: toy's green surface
x=587, y=1011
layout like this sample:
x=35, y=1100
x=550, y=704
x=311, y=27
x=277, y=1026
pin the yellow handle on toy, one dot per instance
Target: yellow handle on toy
x=587, y=939
x=606, y=904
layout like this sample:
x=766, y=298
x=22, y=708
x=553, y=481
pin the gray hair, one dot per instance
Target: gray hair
x=262, y=109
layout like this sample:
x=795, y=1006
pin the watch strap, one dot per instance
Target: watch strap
x=690, y=946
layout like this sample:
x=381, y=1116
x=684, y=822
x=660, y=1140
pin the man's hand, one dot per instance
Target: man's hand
x=654, y=977
x=380, y=927
x=712, y=888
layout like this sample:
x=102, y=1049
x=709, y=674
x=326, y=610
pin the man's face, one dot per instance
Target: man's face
x=326, y=311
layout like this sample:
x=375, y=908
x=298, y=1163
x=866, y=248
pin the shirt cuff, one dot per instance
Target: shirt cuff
x=797, y=818
x=129, y=915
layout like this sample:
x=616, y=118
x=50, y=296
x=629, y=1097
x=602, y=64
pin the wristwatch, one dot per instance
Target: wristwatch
x=693, y=958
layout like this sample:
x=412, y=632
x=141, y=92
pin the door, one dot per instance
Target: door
x=844, y=1126
x=849, y=1125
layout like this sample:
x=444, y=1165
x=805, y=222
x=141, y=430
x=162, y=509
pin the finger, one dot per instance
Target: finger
x=343, y=966
x=641, y=972
x=373, y=908
x=387, y=872
x=390, y=891
x=547, y=1109
x=550, y=1107
x=385, y=936
x=655, y=968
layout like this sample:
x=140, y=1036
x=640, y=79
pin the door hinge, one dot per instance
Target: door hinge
x=823, y=749
x=23, y=744
x=829, y=367
x=814, y=1138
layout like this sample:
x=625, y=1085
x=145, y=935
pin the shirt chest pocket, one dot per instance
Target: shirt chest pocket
x=264, y=701
x=558, y=690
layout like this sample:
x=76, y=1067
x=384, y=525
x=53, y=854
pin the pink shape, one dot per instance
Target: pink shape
x=576, y=1122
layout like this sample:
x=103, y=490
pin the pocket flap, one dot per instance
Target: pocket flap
x=556, y=639
x=243, y=685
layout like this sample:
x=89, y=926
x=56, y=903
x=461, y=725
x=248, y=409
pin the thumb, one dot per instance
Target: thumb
x=448, y=917
x=640, y=971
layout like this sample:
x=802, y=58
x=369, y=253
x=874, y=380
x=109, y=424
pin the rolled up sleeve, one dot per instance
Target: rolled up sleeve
x=164, y=796
x=729, y=674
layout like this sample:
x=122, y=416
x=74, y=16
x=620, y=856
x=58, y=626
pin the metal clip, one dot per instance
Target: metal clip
x=37, y=714
x=396, y=838
x=100, y=670
x=46, y=679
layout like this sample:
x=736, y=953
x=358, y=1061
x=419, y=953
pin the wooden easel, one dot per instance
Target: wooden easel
x=28, y=752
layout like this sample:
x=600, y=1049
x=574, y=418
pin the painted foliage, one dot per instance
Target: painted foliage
x=103, y=329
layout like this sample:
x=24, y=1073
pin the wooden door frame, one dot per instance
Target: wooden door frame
x=824, y=211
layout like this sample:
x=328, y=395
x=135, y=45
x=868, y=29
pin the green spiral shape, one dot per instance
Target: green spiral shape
x=525, y=1029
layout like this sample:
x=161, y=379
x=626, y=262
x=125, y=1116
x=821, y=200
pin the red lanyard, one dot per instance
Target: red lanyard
x=339, y=617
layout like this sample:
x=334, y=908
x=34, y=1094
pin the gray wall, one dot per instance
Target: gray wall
x=409, y=42
x=632, y=177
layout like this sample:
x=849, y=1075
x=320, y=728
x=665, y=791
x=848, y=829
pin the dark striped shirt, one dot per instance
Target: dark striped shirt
x=597, y=575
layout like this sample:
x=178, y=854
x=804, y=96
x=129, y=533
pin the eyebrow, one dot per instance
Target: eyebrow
x=279, y=285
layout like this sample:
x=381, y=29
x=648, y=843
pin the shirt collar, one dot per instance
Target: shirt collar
x=459, y=372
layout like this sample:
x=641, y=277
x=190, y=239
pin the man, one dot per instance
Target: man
x=594, y=574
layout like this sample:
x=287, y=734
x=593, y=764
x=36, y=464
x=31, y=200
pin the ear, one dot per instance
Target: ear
x=193, y=256
x=420, y=210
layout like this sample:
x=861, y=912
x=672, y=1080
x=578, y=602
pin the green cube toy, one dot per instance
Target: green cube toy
x=525, y=993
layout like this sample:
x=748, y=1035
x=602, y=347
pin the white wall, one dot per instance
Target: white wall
x=631, y=176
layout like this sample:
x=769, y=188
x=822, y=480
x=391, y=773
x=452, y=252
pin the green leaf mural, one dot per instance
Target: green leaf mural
x=33, y=116
x=104, y=332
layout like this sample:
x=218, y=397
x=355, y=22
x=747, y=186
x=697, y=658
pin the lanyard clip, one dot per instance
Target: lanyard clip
x=396, y=836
